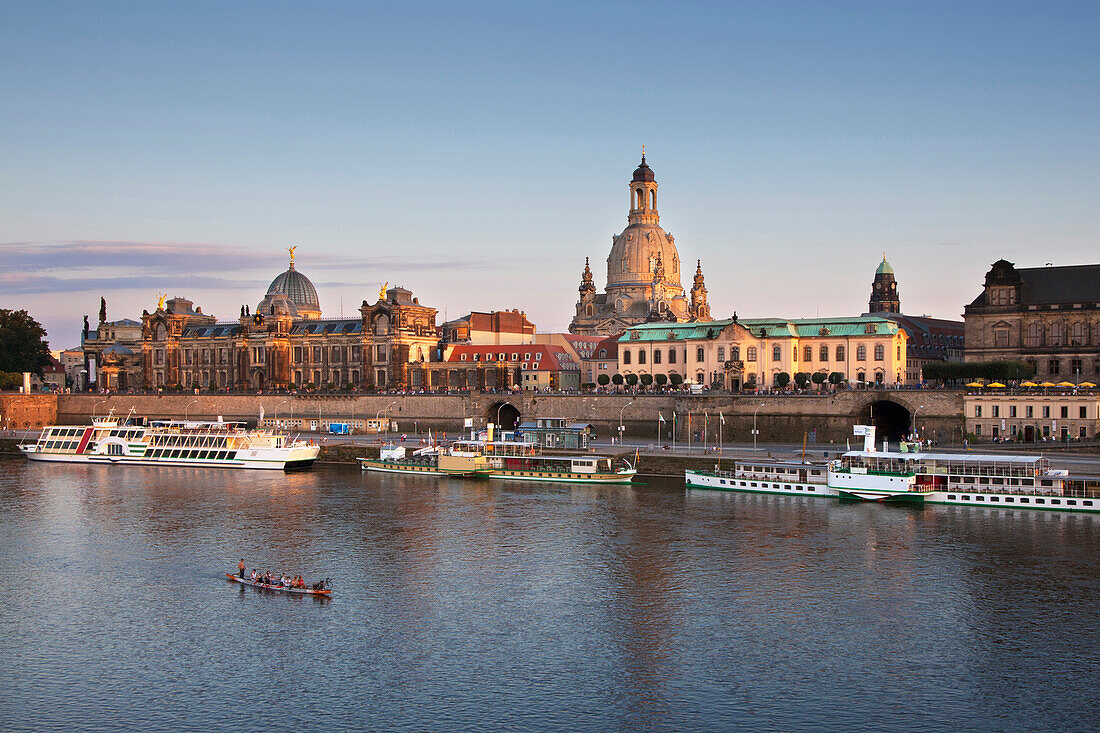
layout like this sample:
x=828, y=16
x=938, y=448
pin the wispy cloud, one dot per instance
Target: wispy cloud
x=77, y=266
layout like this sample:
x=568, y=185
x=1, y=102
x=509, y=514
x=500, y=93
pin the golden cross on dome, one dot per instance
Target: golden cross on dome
x=643, y=151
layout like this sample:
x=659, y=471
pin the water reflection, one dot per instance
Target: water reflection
x=514, y=605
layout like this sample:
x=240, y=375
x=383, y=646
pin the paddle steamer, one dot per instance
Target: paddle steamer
x=500, y=459
x=132, y=441
x=914, y=477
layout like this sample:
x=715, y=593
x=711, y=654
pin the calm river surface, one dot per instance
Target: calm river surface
x=473, y=605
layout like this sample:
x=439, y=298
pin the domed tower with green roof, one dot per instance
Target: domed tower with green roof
x=884, y=290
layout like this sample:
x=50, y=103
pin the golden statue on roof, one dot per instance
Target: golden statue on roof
x=291, y=251
x=160, y=300
x=382, y=291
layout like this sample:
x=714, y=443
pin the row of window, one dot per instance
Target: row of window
x=1013, y=499
x=1076, y=365
x=1021, y=430
x=751, y=354
x=189, y=441
x=216, y=455
x=1053, y=335
x=1029, y=411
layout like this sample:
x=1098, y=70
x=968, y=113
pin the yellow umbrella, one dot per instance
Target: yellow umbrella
x=975, y=384
x=1047, y=384
x=1028, y=384
x=1086, y=384
x=995, y=384
x=1065, y=384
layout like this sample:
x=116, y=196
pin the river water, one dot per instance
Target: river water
x=465, y=605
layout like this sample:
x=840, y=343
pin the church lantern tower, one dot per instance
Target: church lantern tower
x=884, y=290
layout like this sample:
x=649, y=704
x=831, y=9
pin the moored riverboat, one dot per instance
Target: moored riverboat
x=501, y=460
x=914, y=477
x=193, y=443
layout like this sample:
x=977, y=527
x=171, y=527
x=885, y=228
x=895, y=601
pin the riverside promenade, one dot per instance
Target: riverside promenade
x=778, y=418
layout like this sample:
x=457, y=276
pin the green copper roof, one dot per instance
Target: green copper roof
x=884, y=268
x=769, y=327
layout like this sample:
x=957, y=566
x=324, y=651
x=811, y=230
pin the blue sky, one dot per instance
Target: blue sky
x=477, y=152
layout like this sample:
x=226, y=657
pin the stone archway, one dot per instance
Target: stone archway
x=256, y=379
x=892, y=420
x=509, y=415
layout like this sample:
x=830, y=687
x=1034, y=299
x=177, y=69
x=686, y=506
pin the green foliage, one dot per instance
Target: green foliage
x=10, y=380
x=617, y=379
x=782, y=379
x=662, y=379
x=647, y=379
x=819, y=377
x=970, y=370
x=603, y=380
x=801, y=379
x=631, y=379
x=836, y=378
x=675, y=379
x=23, y=345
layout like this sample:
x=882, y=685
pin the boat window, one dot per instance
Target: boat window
x=1071, y=502
x=1010, y=500
x=1040, y=501
x=979, y=498
x=993, y=498
x=1024, y=500
x=1055, y=501
x=966, y=497
x=951, y=496
x=1086, y=502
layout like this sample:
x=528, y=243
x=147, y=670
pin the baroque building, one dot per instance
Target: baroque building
x=643, y=273
x=1048, y=317
x=285, y=343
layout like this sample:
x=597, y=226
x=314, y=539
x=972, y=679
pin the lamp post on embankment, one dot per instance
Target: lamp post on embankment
x=755, y=432
x=621, y=427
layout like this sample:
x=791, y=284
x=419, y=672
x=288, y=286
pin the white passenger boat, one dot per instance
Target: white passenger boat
x=501, y=459
x=914, y=477
x=132, y=441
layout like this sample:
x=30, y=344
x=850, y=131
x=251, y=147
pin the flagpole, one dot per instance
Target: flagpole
x=660, y=421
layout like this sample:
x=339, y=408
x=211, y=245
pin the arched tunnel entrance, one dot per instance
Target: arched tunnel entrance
x=504, y=414
x=891, y=420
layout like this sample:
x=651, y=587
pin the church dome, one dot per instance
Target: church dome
x=884, y=268
x=635, y=252
x=296, y=288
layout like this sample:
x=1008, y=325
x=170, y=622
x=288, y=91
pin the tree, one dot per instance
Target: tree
x=836, y=378
x=617, y=379
x=647, y=379
x=662, y=379
x=782, y=379
x=675, y=379
x=801, y=379
x=631, y=379
x=603, y=380
x=819, y=378
x=23, y=345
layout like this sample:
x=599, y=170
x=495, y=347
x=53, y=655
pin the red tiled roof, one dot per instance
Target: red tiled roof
x=552, y=357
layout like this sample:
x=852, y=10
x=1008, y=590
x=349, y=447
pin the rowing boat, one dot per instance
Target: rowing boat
x=279, y=588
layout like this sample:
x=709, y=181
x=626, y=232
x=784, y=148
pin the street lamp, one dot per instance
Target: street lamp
x=188, y=407
x=97, y=405
x=755, y=432
x=621, y=427
x=501, y=407
x=377, y=415
x=277, y=412
x=919, y=408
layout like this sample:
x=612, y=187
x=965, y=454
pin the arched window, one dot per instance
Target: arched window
x=824, y=353
x=672, y=356
x=1096, y=334
x=652, y=199
x=840, y=353
x=861, y=352
x=1077, y=335
x=750, y=353
x=880, y=353
x=158, y=332
x=603, y=353
x=1054, y=334
x=626, y=355
x=656, y=356
x=1034, y=335
x=588, y=310
x=641, y=356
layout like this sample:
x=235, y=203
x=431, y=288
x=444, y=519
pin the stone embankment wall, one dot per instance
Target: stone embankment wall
x=27, y=411
x=778, y=418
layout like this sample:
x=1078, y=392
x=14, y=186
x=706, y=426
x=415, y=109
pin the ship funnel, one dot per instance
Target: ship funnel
x=868, y=433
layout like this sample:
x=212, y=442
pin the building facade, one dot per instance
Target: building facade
x=1031, y=418
x=643, y=273
x=1048, y=317
x=494, y=327
x=732, y=354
